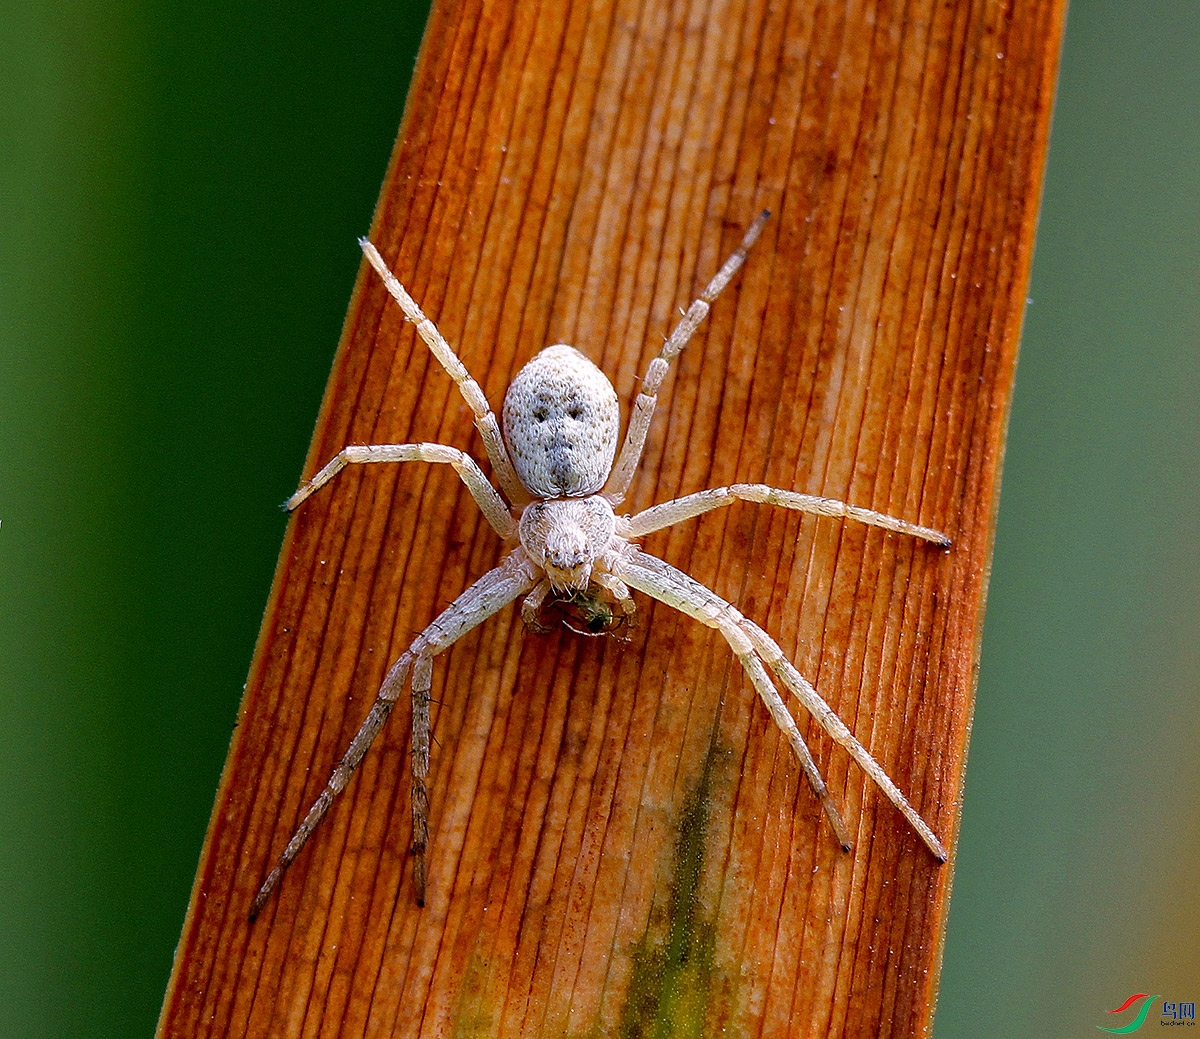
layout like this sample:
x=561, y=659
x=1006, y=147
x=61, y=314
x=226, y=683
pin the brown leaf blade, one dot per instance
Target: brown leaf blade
x=622, y=843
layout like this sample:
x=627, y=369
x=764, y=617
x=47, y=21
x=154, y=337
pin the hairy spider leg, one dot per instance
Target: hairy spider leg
x=490, y=594
x=490, y=503
x=643, y=408
x=671, y=512
x=752, y=645
x=485, y=418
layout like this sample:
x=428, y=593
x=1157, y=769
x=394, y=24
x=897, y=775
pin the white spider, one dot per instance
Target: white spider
x=554, y=463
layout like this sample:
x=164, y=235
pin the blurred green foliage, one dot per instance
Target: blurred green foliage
x=182, y=189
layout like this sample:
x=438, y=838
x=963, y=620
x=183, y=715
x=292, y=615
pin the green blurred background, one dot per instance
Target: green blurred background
x=180, y=191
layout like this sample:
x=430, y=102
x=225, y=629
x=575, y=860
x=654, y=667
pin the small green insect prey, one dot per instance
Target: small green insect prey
x=559, y=488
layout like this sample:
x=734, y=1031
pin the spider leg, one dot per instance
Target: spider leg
x=662, y=581
x=487, y=596
x=643, y=409
x=787, y=673
x=671, y=512
x=485, y=418
x=490, y=503
x=667, y=584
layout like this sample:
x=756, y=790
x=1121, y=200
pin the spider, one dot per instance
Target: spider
x=555, y=465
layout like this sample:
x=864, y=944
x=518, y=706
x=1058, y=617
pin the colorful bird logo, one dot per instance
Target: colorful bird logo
x=1138, y=1021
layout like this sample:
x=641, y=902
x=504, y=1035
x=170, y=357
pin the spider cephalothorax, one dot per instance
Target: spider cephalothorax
x=558, y=466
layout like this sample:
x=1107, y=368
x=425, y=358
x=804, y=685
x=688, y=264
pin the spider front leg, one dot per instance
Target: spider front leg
x=485, y=418
x=752, y=645
x=643, y=408
x=491, y=593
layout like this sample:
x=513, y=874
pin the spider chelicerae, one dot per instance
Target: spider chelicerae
x=556, y=505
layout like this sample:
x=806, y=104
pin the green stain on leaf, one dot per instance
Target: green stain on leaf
x=673, y=973
x=675, y=987
x=474, y=1015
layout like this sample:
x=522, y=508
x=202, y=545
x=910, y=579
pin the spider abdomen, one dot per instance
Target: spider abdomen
x=561, y=422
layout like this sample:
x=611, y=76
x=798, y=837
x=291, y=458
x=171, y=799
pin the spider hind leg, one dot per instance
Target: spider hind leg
x=753, y=647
